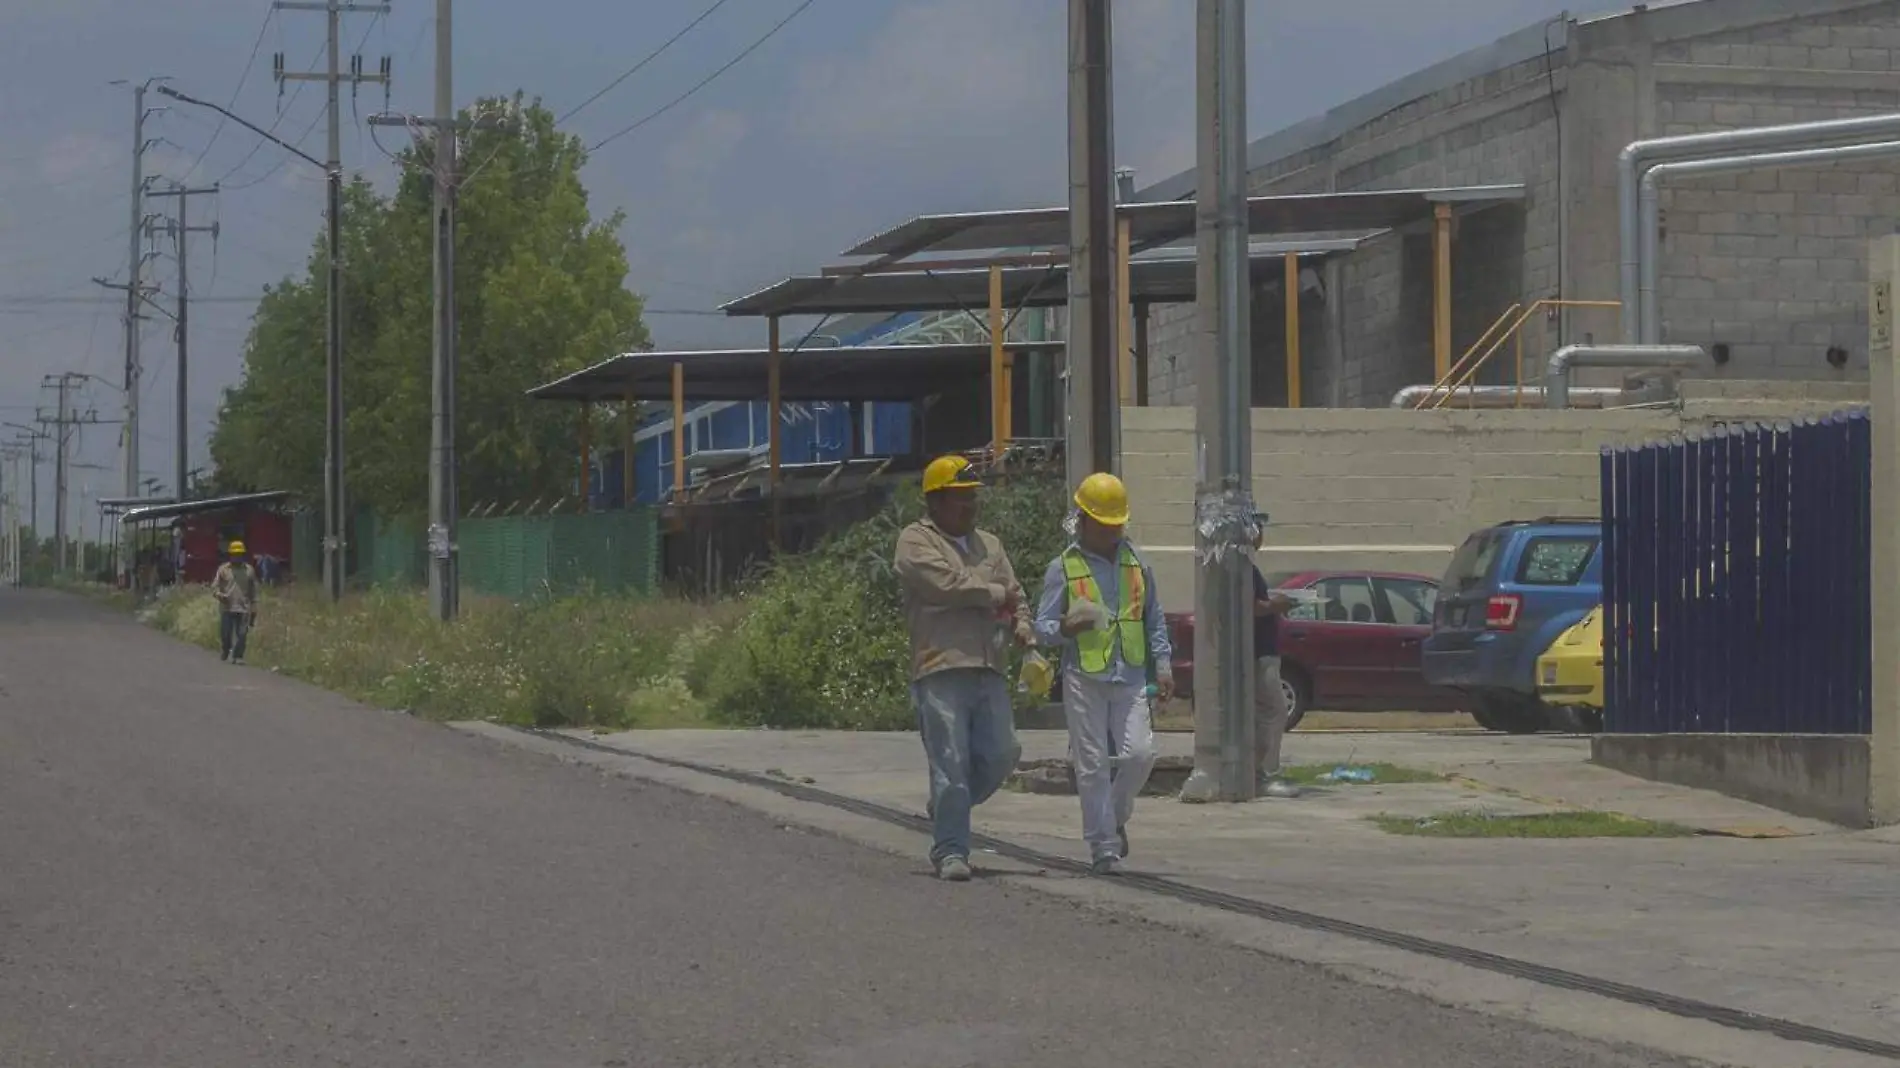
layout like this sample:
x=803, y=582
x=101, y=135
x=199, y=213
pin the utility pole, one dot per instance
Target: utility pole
x=335, y=555
x=446, y=127
x=31, y=443
x=1225, y=518
x=133, y=290
x=63, y=420
x=1092, y=438
x=180, y=232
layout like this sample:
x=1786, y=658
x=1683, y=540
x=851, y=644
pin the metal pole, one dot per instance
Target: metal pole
x=999, y=389
x=60, y=433
x=181, y=448
x=1441, y=291
x=1224, y=758
x=1292, y=284
x=131, y=376
x=1883, y=740
x=773, y=389
x=443, y=579
x=1091, y=411
x=679, y=431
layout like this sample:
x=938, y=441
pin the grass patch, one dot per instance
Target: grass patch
x=1382, y=774
x=583, y=661
x=1541, y=825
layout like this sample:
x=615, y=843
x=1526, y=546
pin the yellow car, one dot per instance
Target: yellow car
x=1570, y=673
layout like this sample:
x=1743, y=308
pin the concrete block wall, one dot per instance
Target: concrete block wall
x=1774, y=263
x=1374, y=488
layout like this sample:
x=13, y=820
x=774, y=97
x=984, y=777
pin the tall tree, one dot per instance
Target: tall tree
x=540, y=292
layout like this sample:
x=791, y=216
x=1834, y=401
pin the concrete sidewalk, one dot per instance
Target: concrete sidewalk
x=1793, y=921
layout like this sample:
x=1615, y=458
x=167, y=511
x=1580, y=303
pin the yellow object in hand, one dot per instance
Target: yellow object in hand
x=1037, y=675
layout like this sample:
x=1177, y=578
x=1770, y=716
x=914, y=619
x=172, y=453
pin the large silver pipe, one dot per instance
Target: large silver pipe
x=1650, y=247
x=1638, y=155
x=1564, y=360
x=1504, y=396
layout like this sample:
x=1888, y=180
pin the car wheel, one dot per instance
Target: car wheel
x=1508, y=713
x=1299, y=696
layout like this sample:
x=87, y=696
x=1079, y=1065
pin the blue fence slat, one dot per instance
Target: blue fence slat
x=1735, y=576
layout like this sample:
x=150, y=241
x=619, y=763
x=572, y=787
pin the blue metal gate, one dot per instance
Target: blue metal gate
x=1735, y=581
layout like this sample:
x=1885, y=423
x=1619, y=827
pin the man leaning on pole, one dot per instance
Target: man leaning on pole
x=1100, y=606
x=963, y=607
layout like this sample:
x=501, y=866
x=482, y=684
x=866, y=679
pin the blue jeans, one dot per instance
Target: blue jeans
x=233, y=629
x=970, y=741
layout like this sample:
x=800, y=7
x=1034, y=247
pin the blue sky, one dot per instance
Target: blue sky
x=859, y=114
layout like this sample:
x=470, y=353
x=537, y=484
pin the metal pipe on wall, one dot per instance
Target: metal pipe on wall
x=1564, y=360
x=1639, y=155
x=1504, y=396
x=1649, y=254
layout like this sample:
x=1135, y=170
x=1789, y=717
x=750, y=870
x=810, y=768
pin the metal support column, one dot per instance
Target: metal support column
x=1441, y=291
x=1124, y=318
x=1225, y=524
x=1141, y=354
x=1293, y=330
x=629, y=418
x=774, y=436
x=586, y=482
x=999, y=384
x=679, y=430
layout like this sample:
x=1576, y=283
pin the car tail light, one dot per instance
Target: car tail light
x=1500, y=612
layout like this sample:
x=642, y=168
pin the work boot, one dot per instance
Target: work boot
x=1106, y=865
x=1278, y=788
x=954, y=870
x=1121, y=833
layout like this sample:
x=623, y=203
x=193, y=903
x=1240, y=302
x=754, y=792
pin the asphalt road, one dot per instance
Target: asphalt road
x=206, y=866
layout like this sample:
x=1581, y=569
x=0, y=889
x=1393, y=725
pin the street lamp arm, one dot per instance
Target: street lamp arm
x=247, y=124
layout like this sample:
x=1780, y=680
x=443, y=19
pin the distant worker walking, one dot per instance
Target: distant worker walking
x=1099, y=605
x=963, y=607
x=235, y=587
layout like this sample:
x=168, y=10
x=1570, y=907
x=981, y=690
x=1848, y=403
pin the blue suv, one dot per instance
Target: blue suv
x=1510, y=591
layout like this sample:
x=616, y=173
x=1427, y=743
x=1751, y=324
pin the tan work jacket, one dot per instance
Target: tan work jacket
x=953, y=600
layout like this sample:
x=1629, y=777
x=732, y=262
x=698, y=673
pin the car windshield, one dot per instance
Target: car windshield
x=1472, y=563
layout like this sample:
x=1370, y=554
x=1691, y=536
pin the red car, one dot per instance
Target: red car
x=1356, y=651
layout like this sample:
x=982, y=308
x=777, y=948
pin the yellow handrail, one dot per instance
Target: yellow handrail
x=1459, y=366
x=1516, y=332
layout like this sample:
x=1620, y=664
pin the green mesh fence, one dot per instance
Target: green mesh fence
x=390, y=553
x=527, y=556
x=306, y=545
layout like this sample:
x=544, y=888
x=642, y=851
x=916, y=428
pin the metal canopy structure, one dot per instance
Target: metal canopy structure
x=174, y=509
x=853, y=373
x=1154, y=224
x=1165, y=279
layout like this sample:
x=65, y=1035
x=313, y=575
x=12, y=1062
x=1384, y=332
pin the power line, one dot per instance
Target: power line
x=270, y=13
x=704, y=82
x=644, y=60
x=282, y=113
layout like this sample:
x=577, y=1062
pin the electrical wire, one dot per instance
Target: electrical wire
x=282, y=112
x=644, y=60
x=280, y=164
x=270, y=14
x=704, y=82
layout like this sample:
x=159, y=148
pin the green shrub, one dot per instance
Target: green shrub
x=823, y=644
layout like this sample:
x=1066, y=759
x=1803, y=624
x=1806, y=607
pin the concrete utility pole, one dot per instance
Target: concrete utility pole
x=133, y=291
x=445, y=128
x=1225, y=522
x=180, y=233
x=335, y=522
x=63, y=420
x=1092, y=441
x=31, y=443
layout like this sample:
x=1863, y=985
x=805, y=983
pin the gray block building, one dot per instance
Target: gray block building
x=1769, y=265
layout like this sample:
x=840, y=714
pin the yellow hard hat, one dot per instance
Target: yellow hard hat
x=1103, y=498
x=948, y=472
x=237, y=548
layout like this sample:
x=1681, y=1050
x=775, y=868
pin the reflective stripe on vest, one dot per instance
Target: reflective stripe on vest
x=1095, y=648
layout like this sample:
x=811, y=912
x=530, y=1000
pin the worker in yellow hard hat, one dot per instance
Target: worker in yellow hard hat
x=1100, y=606
x=235, y=587
x=963, y=607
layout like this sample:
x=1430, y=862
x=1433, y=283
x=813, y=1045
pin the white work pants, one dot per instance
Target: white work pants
x=1112, y=747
